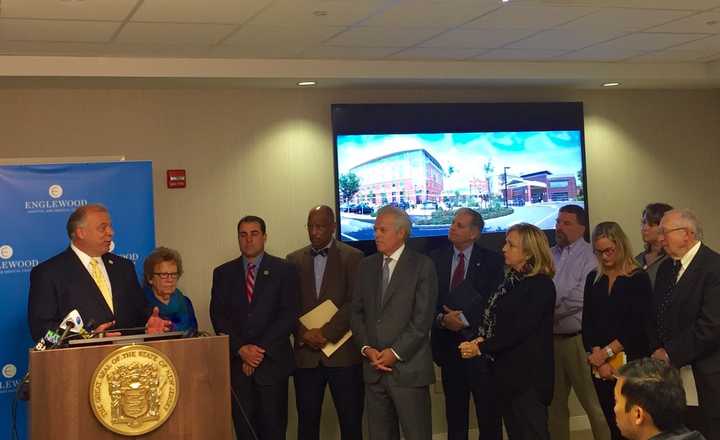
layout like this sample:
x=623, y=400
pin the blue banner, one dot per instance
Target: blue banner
x=36, y=201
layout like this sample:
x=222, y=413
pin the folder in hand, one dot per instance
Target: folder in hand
x=320, y=316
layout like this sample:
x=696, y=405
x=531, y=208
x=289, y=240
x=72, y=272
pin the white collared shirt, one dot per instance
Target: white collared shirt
x=394, y=257
x=85, y=259
x=687, y=259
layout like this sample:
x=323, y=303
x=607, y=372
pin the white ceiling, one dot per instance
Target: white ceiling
x=582, y=35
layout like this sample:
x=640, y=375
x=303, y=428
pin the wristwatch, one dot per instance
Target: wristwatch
x=609, y=351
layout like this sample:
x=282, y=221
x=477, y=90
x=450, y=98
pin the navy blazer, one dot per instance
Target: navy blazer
x=485, y=272
x=694, y=313
x=266, y=322
x=523, y=342
x=62, y=284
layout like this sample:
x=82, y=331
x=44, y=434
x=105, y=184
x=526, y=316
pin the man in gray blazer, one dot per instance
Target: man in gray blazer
x=392, y=312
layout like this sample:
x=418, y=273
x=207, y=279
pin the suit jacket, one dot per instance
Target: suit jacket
x=62, y=283
x=267, y=321
x=522, y=344
x=337, y=283
x=402, y=321
x=484, y=275
x=693, y=316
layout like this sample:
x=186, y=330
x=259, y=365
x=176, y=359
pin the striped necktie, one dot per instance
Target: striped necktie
x=250, y=282
x=99, y=278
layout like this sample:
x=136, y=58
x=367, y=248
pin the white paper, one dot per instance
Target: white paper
x=320, y=316
x=688, y=380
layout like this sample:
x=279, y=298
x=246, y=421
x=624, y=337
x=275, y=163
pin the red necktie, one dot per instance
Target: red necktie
x=459, y=273
x=250, y=281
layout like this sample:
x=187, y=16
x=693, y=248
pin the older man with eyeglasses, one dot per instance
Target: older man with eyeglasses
x=687, y=312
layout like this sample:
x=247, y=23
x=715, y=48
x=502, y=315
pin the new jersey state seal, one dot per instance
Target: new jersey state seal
x=134, y=390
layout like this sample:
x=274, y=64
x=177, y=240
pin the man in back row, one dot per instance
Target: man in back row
x=326, y=269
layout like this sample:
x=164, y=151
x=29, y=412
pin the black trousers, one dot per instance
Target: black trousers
x=605, y=390
x=266, y=408
x=348, y=393
x=459, y=382
x=525, y=416
x=708, y=387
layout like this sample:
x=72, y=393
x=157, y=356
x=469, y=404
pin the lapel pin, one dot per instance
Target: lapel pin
x=110, y=261
x=266, y=272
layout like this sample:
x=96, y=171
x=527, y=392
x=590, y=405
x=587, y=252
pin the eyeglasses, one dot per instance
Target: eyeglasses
x=166, y=275
x=667, y=231
x=605, y=252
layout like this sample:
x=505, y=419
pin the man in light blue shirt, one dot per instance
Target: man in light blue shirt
x=574, y=260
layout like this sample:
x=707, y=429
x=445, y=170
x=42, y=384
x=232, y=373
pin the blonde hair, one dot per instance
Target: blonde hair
x=613, y=232
x=536, y=247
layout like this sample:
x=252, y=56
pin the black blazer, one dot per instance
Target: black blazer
x=622, y=314
x=694, y=313
x=266, y=322
x=484, y=275
x=523, y=341
x=402, y=321
x=62, y=283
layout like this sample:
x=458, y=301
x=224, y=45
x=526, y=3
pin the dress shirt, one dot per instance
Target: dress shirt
x=257, y=262
x=456, y=259
x=394, y=257
x=85, y=259
x=687, y=259
x=319, y=264
x=572, y=265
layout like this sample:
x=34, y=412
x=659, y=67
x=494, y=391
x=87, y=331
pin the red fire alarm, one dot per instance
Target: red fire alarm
x=176, y=179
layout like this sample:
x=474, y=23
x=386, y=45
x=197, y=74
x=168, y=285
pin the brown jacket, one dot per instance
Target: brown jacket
x=337, y=284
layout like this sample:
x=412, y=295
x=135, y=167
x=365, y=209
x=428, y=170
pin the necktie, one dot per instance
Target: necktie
x=250, y=282
x=321, y=252
x=459, y=274
x=99, y=279
x=661, y=318
x=385, y=277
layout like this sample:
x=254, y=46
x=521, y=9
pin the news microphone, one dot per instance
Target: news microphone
x=54, y=338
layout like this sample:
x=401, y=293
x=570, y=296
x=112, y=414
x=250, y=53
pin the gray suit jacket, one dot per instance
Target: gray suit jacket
x=402, y=322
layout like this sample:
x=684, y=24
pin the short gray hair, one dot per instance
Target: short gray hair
x=402, y=220
x=688, y=219
x=77, y=218
x=476, y=221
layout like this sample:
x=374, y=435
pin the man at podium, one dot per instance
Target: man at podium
x=102, y=286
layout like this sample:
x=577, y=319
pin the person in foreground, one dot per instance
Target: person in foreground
x=254, y=301
x=392, y=311
x=649, y=402
x=162, y=270
x=615, y=316
x=86, y=276
x=516, y=334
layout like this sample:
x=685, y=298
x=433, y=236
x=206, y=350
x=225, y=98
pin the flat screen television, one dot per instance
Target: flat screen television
x=512, y=162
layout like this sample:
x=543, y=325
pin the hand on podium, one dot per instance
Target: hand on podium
x=102, y=330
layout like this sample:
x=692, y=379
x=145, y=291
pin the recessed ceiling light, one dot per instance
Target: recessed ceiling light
x=306, y=83
x=320, y=13
x=611, y=84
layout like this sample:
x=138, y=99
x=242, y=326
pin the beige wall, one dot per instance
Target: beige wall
x=269, y=152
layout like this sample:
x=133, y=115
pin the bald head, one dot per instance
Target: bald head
x=320, y=226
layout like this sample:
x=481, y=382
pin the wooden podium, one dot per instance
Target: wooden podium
x=60, y=391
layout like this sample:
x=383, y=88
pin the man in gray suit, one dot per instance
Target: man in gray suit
x=392, y=312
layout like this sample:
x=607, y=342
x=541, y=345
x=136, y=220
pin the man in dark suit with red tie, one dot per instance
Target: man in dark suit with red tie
x=254, y=301
x=327, y=270
x=687, y=311
x=467, y=275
